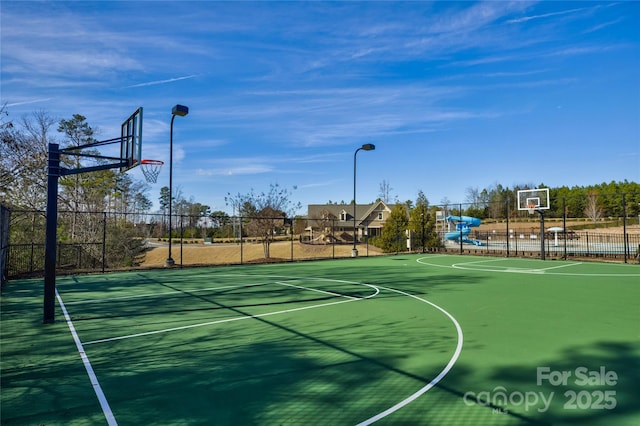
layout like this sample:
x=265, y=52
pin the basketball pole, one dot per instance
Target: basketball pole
x=49, y=304
x=542, y=254
x=54, y=172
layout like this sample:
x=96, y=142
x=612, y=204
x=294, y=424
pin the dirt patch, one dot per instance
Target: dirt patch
x=225, y=254
x=220, y=254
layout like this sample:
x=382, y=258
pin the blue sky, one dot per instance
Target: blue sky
x=453, y=94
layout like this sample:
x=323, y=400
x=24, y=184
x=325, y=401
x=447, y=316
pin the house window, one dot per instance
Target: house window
x=379, y=215
x=343, y=215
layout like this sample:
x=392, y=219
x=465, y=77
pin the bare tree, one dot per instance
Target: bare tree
x=23, y=161
x=592, y=209
x=472, y=196
x=444, y=203
x=385, y=191
x=266, y=212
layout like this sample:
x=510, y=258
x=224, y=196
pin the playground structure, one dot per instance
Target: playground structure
x=463, y=225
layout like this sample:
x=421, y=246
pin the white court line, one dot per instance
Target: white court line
x=319, y=291
x=559, y=266
x=480, y=261
x=165, y=293
x=478, y=265
x=425, y=261
x=108, y=414
x=510, y=269
x=373, y=419
x=521, y=271
x=432, y=383
x=246, y=317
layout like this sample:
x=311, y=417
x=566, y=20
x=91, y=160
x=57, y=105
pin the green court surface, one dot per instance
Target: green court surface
x=402, y=340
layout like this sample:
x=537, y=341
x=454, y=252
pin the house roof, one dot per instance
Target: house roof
x=362, y=210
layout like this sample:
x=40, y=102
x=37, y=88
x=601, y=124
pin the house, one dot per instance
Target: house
x=336, y=221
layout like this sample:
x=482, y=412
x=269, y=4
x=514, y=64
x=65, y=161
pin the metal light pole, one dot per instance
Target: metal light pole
x=365, y=147
x=180, y=110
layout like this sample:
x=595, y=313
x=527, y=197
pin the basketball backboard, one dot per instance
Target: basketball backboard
x=131, y=140
x=537, y=199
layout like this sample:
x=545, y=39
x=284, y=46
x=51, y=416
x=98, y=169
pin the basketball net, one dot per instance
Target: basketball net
x=151, y=169
x=531, y=208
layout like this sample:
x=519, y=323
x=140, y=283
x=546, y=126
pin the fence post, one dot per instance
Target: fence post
x=333, y=238
x=181, y=235
x=564, y=225
x=104, y=240
x=507, y=233
x=31, y=259
x=291, y=231
x=460, y=216
x=366, y=237
x=4, y=244
x=397, y=238
x=422, y=241
x=624, y=226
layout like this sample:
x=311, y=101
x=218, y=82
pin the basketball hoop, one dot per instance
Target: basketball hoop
x=151, y=169
x=530, y=207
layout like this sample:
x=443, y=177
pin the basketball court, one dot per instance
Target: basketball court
x=411, y=339
x=408, y=339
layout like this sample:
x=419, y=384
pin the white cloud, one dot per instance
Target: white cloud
x=248, y=169
x=170, y=80
x=33, y=101
x=544, y=15
x=602, y=26
x=321, y=184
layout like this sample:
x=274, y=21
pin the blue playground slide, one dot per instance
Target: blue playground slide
x=463, y=229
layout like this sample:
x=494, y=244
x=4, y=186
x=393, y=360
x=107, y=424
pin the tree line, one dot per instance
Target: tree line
x=612, y=199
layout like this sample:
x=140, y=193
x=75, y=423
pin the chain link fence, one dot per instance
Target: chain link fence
x=105, y=241
x=5, y=215
x=590, y=227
